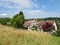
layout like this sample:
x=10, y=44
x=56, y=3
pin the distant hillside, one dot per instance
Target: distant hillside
x=49, y=18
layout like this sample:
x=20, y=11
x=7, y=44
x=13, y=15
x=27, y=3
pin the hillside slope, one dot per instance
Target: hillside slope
x=12, y=36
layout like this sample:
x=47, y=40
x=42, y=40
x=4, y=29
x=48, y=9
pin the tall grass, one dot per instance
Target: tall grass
x=12, y=36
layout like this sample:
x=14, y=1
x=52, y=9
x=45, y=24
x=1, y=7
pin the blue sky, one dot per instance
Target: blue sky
x=30, y=8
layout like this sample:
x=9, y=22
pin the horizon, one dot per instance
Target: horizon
x=30, y=8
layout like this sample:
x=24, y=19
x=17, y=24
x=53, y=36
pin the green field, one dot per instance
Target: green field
x=12, y=36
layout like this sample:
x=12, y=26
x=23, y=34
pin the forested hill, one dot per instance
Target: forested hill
x=49, y=18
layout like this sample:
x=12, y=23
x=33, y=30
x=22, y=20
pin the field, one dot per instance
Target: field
x=12, y=36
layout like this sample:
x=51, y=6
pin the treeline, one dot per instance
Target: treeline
x=49, y=18
x=17, y=20
x=4, y=21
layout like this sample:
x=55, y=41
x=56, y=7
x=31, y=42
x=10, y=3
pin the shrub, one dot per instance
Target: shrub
x=4, y=21
x=58, y=32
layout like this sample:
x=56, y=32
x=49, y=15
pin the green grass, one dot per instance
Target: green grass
x=12, y=36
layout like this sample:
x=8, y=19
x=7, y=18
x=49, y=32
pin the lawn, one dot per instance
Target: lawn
x=12, y=36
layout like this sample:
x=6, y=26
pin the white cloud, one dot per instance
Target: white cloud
x=3, y=14
x=7, y=5
x=35, y=12
x=39, y=14
x=23, y=4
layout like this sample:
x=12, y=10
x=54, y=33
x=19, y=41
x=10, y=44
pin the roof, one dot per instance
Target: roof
x=28, y=23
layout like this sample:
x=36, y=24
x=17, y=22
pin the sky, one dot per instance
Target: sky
x=30, y=8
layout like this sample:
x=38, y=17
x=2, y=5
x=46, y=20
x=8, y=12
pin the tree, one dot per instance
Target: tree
x=4, y=21
x=18, y=20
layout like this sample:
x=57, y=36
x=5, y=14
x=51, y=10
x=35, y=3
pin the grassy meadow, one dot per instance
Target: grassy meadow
x=12, y=36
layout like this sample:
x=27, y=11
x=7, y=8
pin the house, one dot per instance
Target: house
x=38, y=24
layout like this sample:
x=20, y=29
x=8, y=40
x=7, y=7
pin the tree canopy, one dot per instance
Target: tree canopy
x=18, y=20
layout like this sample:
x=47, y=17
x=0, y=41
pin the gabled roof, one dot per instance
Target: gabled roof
x=28, y=23
x=43, y=22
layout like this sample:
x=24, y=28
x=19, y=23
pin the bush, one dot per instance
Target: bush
x=58, y=32
x=4, y=21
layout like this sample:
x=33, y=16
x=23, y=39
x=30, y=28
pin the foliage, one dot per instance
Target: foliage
x=4, y=21
x=18, y=20
x=58, y=32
